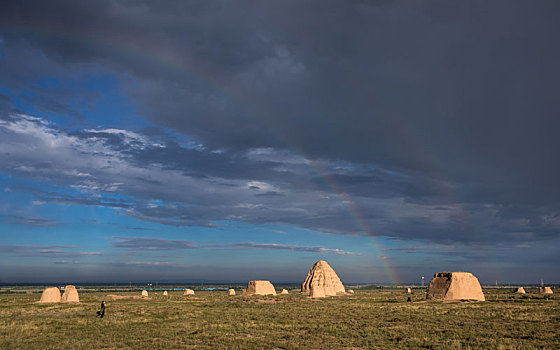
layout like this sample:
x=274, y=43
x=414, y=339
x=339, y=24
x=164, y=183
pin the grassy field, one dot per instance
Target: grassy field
x=370, y=319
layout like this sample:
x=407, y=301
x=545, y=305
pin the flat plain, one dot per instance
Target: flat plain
x=370, y=319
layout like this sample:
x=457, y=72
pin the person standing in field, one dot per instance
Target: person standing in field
x=101, y=312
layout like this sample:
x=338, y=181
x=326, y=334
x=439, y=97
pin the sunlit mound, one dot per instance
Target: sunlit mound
x=260, y=287
x=50, y=295
x=70, y=295
x=455, y=286
x=322, y=280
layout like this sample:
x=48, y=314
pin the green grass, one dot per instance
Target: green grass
x=212, y=320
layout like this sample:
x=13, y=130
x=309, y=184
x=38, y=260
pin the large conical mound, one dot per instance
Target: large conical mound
x=70, y=295
x=454, y=286
x=322, y=276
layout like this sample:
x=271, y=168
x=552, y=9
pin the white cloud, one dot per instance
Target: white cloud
x=174, y=189
x=261, y=186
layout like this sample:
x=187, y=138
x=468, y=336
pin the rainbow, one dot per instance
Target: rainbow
x=359, y=219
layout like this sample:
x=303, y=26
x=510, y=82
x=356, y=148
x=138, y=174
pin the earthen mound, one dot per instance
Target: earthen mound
x=231, y=291
x=351, y=291
x=259, y=287
x=50, y=295
x=322, y=276
x=455, y=286
x=70, y=295
x=144, y=293
x=317, y=292
x=284, y=291
x=188, y=292
x=545, y=290
x=520, y=290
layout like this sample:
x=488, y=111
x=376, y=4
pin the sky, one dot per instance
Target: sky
x=237, y=140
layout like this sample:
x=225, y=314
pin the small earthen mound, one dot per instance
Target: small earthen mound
x=165, y=293
x=50, y=295
x=323, y=276
x=188, y=292
x=545, y=290
x=284, y=291
x=260, y=287
x=231, y=291
x=455, y=286
x=520, y=290
x=70, y=295
x=144, y=293
x=351, y=291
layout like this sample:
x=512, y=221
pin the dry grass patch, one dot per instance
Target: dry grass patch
x=368, y=320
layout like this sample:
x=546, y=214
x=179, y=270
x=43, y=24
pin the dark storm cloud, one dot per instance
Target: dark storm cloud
x=61, y=198
x=15, y=247
x=483, y=253
x=139, y=228
x=6, y=106
x=31, y=221
x=5, y=102
x=142, y=243
x=139, y=243
x=46, y=251
x=465, y=90
x=276, y=246
x=429, y=120
x=202, y=164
